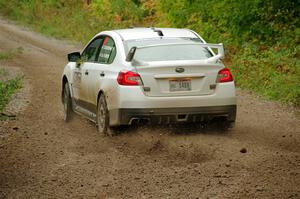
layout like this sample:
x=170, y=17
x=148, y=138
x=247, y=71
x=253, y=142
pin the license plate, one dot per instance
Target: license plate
x=180, y=85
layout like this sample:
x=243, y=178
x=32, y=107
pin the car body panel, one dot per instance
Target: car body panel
x=171, y=115
x=146, y=33
x=133, y=97
x=158, y=77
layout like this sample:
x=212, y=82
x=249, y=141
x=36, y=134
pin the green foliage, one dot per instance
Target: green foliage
x=7, y=88
x=235, y=21
x=10, y=54
x=272, y=72
x=261, y=37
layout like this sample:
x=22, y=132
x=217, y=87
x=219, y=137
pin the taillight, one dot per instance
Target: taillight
x=224, y=75
x=129, y=78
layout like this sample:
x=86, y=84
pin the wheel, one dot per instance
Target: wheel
x=103, y=118
x=67, y=103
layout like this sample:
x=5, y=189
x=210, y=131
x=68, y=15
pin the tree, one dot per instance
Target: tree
x=87, y=2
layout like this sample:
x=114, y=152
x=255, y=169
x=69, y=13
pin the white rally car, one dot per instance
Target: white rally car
x=153, y=75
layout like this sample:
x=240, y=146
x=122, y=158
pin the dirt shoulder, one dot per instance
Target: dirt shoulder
x=42, y=157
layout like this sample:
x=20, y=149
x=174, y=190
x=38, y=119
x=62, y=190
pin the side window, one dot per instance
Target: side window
x=107, y=52
x=90, y=52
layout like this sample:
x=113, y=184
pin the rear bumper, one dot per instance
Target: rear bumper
x=171, y=115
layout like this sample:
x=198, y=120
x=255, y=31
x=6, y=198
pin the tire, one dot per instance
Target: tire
x=225, y=125
x=120, y=129
x=221, y=124
x=103, y=118
x=68, y=112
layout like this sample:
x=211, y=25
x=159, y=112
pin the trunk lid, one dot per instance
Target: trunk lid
x=178, y=78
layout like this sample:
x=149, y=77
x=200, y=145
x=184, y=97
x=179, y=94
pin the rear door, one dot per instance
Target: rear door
x=102, y=68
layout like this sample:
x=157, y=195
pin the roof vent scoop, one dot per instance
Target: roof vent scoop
x=159, y=32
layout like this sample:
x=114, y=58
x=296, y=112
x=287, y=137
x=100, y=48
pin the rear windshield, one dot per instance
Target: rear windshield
x=168, y=49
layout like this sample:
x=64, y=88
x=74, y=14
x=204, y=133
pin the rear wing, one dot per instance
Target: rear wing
x=220, y=50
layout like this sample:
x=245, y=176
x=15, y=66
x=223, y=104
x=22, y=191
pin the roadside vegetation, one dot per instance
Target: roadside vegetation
x=10, y=54
x=9, y=83
x=261, y=37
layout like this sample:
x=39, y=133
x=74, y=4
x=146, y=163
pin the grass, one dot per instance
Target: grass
x=8, y=86
x=11, y=53
x=7, y=89
x=273, y=73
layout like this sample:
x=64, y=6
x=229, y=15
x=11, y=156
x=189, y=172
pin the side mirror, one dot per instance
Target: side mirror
x=74, y=57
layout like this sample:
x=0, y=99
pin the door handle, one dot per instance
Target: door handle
x=102, y=74
x=86, y=72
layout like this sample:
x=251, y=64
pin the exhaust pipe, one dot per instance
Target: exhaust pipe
x=182, y=117
x=139, y=121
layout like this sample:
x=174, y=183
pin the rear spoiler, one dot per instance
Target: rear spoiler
x=212, y=59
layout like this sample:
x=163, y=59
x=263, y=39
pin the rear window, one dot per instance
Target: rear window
x=168, y=49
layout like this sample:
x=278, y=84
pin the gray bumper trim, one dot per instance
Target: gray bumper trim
x=172, y=115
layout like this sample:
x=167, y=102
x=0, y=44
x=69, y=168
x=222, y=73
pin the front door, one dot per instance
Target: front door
x=83, y=74
x=76, y=85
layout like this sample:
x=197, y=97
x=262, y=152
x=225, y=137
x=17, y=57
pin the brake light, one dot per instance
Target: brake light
x=224, y=75
x=129, y=78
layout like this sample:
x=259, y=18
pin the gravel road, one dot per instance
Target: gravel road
x=42, y=157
